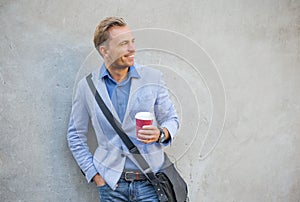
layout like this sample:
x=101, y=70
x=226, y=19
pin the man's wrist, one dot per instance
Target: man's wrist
x=164, y=135
x=98, y=179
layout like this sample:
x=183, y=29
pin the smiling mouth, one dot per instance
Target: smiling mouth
x=129, y=56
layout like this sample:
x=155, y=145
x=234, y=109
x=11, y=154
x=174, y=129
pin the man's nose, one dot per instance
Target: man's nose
x=131, y=47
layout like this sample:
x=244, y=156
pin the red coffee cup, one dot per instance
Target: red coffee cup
x=143, y=119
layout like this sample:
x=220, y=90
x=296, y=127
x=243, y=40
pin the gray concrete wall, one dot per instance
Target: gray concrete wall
x=233, y=72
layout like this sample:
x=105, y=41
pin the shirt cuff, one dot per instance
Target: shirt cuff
x=91, y=172
x=172, y=128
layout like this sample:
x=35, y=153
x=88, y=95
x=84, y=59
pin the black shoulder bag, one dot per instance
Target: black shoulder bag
x=168, y=184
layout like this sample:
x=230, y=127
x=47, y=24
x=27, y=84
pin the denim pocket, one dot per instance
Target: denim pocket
x=102, y=186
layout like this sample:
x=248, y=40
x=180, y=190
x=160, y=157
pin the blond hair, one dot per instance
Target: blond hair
x=102, y=34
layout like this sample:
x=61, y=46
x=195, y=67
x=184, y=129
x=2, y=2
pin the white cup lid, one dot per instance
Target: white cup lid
x=144, y=116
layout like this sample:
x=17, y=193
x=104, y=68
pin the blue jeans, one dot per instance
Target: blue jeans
x=135, y=191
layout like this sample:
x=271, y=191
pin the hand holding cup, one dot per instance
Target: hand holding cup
x=145, y=131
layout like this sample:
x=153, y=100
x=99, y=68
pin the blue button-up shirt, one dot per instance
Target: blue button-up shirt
x=119, y=95
x=119, y=92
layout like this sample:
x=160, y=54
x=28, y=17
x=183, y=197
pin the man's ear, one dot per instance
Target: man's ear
x=102, y=50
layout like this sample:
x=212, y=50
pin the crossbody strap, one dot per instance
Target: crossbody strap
x=129, y=144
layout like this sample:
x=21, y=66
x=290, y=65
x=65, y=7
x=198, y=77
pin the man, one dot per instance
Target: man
x=126, y=88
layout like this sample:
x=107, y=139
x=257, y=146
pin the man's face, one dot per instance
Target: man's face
x=120, y=50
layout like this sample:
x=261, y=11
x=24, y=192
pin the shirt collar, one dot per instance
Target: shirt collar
x=132, y=72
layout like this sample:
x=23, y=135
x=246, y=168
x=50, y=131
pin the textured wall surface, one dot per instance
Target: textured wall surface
x=232, y=67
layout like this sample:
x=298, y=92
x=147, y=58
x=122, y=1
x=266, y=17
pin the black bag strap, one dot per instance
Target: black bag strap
x=129, y=144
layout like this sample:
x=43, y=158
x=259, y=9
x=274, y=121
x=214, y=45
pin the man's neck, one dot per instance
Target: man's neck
x=118, y=74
